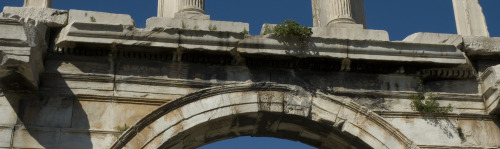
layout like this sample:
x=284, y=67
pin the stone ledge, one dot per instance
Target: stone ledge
x=22, y=46
x=100, y=17
x=174, y=38
x=107, y=34
x=481, y=46
x=200, y=25
x=350, y=33
x=353, y=49
x=436, y=38
x=50, y=17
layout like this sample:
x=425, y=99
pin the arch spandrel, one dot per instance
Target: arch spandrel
x=262, y=109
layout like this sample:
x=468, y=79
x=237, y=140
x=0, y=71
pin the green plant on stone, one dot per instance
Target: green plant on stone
x=196, y=27
x=290, y=28
x=184, y=26
x=92, y=19
x=122, y=128
x=267, y=30
x=245, y=31
x=212, y=27
x=429, y=104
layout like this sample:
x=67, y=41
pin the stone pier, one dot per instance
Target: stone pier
x=38, y=3
x=326, y=13
x=469, y=18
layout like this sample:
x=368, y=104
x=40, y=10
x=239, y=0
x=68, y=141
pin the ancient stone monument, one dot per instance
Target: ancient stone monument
x=83, y=79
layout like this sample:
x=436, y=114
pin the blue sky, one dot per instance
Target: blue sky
x=399, y=17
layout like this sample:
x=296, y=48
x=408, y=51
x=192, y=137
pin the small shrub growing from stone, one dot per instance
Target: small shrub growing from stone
x=427, y=104
x=290, y=28
x=122, y=128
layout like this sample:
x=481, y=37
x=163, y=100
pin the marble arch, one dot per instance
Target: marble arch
x=262, y=109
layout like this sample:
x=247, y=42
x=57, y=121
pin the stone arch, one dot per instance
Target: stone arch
x=262, y=109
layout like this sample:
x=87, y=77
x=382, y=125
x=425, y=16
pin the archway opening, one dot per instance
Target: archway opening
x=256, y=143
x=258, y=124
x=261, y=110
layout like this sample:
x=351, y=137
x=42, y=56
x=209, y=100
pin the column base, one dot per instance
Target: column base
x=192, y=16
x=351, y=32
x=341, y=21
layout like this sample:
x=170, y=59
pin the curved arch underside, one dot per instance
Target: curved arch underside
x=262, y=109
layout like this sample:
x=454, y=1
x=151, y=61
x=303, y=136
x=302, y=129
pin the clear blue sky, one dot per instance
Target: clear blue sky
x=399, y=17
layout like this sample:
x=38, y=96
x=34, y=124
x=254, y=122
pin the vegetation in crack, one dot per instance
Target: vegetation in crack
x=426, y=102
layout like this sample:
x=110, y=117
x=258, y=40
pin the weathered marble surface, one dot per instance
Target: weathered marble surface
x=100, y=17
x=469, y=18
x=482, y=46
x=334, y=91
x=490, y=85
x=436, y=38
x=48, y=16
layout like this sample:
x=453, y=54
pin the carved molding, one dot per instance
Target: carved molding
x=210, y=92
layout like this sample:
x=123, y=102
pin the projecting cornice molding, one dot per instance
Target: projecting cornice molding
x=221, y=41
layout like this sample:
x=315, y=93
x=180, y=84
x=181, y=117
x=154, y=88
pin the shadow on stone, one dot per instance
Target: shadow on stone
x=54, y=117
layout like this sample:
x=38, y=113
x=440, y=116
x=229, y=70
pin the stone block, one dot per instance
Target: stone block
x=351, y=33
x=297, y=103
x=48, y=16
x=271, y=101
x=189, y=24
x=481, y=46
x=443, y=130
x=490, y=82
x=49, y=111
x=435, y=38
x=9, y=115
x=100, y=17
x=22, y=45
x=11, y=29
x=5, y=137
x=80, y=140
x=192, y=16
x=98, y=33
x=36, y=138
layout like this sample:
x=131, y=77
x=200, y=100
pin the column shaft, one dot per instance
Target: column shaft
x=469, y=18
x=329, y=12
x=38, y=3
x=196, y=6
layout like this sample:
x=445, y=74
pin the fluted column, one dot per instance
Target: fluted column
x=329, y=12
x=169, y=8
x=38, y=3
x=192, y=6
